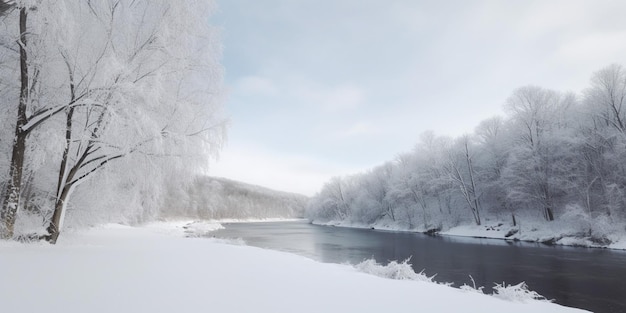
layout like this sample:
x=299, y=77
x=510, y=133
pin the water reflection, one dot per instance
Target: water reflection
x=587, y=278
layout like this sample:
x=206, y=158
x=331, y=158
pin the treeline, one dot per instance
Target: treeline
x=219, y=198
x=554, y=156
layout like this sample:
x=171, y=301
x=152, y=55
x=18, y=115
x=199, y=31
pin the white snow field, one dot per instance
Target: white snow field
x=155, y=269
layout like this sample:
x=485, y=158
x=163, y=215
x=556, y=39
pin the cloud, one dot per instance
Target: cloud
x=329, y=98
x=593, y=46
x=360, y=129
x=256, y=85
x=347, y=97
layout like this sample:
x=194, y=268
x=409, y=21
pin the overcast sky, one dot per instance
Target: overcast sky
x=319, y=88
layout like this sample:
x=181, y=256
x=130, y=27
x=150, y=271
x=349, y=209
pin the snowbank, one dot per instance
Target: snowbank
x=550, y=233
x=557, y=232
x=154, y=269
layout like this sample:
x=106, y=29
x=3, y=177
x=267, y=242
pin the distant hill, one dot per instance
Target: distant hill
x=218, y=198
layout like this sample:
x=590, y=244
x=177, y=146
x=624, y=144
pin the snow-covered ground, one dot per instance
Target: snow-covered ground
x=155, y=269
x=552, y=233
x=557, y=232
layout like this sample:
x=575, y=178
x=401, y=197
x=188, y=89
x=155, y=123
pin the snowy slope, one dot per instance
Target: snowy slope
x=153, y=269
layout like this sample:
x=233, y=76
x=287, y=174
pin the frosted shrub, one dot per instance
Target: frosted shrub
x=466, y=287
x=519, y=293
x=393, y=270
x=596, y=229
x=472, y=288
x=577, y=219
x=603, y=226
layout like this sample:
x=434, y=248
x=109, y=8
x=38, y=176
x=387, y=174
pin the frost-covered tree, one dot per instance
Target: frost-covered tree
x=531, y=110
x=537, y=118
x=462, y=173
x=409, y=187
x=604, y=143
x=376, y=201
x=543, y=178
x=493, y=141
x=130, y=83
x=432, y=151
x=607, y=96
x=336, y=200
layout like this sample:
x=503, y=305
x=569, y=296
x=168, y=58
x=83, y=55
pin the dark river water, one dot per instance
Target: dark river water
x=592, y=279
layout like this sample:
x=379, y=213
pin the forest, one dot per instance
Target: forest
x=554, y=158
x=210, y=198
x=106, y=105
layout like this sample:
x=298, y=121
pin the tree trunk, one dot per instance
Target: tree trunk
x=54, y=229
x=547, y=211
x=470, y=170
x=63, y=188
x=549, y=214
x=422, y=203
x=11, y=202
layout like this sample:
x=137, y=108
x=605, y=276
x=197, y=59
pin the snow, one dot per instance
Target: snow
x=620, y=244
x=153, y=268
x=556, y=232
x=393, y=270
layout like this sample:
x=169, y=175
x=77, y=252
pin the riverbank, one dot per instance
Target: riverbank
x=550, y=233
x=153, y=268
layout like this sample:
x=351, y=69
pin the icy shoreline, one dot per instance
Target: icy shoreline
x=500, y=230
x=115, y=268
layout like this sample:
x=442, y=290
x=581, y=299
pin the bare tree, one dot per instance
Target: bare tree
x=11, y=201
x=607, y=96
x=409, y=185
x=461, y=171
x=135, y=79
x=112, y=127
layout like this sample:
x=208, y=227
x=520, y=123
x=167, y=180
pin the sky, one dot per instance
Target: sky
x=323, y=88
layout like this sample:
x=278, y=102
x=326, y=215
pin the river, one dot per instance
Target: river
x=592, y=279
